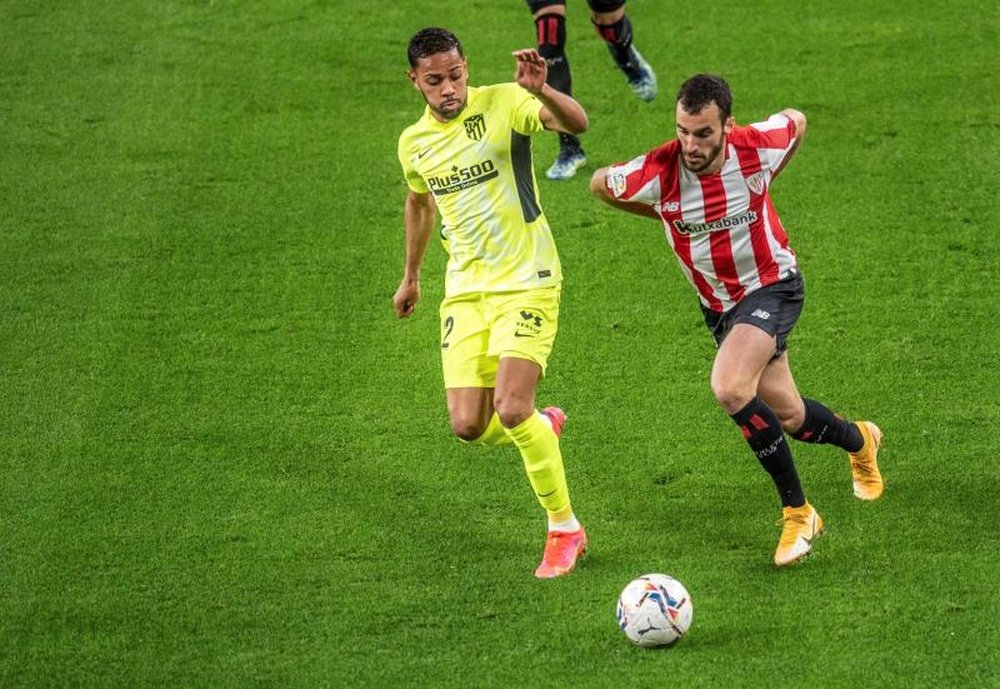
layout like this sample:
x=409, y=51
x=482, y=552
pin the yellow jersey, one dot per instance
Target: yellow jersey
x=479, y=168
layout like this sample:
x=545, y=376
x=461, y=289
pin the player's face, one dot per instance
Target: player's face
x=703, y=138
x=442, y=78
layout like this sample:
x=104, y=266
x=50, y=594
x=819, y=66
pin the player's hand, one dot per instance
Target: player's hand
x=531, y=70
x=406, y=297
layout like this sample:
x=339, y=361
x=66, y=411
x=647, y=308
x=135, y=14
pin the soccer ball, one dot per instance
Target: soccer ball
x=654, y=610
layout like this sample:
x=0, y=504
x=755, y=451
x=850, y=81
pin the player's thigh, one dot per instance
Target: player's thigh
x=465, y=341
x=739, y=364
x=524, y=325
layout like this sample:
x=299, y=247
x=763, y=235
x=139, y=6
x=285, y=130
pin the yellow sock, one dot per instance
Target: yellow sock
x=495, y=434
x=539, y=448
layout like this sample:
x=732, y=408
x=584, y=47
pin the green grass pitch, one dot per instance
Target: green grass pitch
x=224, y=463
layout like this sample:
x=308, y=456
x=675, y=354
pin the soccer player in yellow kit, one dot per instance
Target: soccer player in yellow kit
x=469, y=157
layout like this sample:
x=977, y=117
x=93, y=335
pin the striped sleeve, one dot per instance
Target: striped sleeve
x=637, y=180
x=774, y=139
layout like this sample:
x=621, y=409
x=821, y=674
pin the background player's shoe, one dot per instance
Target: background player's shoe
x=640, y=76
x=567, y=163
x=868, y=483
x=562, y=548
x=800, y=525
x=557, y=418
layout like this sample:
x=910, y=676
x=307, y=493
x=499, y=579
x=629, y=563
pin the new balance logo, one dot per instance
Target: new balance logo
x=761, y=314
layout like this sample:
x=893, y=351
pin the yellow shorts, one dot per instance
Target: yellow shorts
x=479, y=329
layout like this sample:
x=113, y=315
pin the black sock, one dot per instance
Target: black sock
x=569, y=142
x=824, y=427
x=551, y=30
x=618, y=36
x=763, y=434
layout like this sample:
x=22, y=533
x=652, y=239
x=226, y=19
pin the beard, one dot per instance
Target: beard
x=451, y=113
x=708, y=160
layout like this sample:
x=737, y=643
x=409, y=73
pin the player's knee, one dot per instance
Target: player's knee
x=731, y=396
x=467, y=428
x=513, y=410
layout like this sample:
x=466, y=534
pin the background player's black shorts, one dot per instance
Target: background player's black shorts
x=775, y=309
x=595, y=5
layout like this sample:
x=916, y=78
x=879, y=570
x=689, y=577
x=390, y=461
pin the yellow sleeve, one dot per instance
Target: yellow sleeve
x=526, y=109
x=414, y=181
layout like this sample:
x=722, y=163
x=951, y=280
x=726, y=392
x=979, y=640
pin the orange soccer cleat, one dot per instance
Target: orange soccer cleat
x=800, y=525
x=868, y=483
x=562, y=548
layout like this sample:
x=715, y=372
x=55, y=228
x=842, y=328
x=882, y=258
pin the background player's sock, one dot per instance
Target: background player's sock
x=542, y=461
x=824, y=427
x=763, y=434
x=618, y=36
x=569, y=142
x=552, y=46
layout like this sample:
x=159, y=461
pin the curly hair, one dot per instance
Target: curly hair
x=701, y=90
x=431, y=41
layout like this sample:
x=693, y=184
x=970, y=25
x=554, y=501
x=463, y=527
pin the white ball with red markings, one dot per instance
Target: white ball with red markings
x=654, y=610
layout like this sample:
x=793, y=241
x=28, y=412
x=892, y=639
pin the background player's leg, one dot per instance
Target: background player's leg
x=615, y=28
x=550, y=28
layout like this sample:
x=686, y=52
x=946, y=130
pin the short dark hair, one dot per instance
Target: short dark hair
x=431, y=41
x=701, y=90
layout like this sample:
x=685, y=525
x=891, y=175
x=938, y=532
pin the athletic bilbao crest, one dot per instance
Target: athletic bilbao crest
x=756, y=183
x=475, y=127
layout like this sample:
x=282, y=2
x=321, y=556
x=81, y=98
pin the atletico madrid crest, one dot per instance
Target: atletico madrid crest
x=475, y=127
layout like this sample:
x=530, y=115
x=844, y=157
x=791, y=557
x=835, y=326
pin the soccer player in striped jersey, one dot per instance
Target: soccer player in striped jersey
x=469, y=158
x=615, y=29
x=710, y=189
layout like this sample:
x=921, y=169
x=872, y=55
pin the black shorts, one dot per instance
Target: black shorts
x=775, y=309
x=595, y=5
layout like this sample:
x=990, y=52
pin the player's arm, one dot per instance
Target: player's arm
x=559, y=112
x=799, y=120
x=418, y=216
x=599, y=188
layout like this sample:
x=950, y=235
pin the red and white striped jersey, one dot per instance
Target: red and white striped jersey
x=723, y=227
